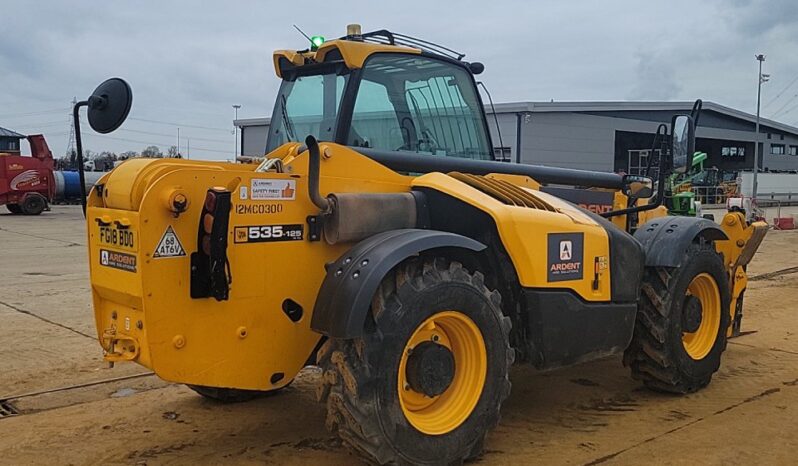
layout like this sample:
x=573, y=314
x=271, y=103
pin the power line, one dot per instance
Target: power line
x=204, y=149
x=181, y=125
x=26, y=114
x=789, y=111
x=781, y=92
x=170, y=135
x=785, y=104
x=83, y=122
x=43, y=125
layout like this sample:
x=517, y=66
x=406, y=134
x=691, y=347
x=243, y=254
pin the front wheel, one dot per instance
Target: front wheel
x=426, y=382
x=681, y=325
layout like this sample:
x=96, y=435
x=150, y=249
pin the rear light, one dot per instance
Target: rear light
x=210, y=200
x=210, y=269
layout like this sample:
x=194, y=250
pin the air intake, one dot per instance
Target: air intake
x=505, y=192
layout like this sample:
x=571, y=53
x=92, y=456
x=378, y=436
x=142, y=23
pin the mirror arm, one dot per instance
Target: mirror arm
x=662, y=130
x=79, y=144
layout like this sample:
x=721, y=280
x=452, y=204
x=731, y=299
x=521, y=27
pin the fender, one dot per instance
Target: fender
x=665, y=239
x=345, y=295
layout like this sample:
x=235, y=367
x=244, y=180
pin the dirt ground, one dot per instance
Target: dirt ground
x=590, y=414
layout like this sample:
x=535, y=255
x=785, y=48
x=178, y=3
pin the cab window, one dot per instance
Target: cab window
x=418, y=104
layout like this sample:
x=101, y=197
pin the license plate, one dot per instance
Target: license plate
x=119, y=238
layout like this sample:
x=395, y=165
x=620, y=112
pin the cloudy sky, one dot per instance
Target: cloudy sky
x=188, y=64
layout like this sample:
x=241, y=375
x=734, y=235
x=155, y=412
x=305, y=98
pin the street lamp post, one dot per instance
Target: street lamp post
x=235, y=128
x=762, y=78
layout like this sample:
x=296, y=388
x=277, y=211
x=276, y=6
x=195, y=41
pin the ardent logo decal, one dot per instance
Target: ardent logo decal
x=565, y=254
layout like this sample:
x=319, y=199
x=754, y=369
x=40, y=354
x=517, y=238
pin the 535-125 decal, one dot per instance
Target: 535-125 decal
x=268, y=233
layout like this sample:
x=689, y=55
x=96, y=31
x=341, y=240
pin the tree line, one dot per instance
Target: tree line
x=104, y=161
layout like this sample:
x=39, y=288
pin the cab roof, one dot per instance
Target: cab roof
x=354, y=50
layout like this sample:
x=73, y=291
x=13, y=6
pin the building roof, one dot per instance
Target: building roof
x=610, y=106
x=7, y=133
x=615, y=106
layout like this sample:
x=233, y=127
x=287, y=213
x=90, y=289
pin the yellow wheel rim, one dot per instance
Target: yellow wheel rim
x=443, y=413
x=699, y=343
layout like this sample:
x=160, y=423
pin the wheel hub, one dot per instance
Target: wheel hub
x=430, y=368
x=691, y=314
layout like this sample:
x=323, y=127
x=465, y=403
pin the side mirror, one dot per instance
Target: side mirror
x=109, y=105
x=638, y=187
x=682, y=142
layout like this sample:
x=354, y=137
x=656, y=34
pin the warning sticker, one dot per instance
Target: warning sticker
x=565, y=256
x=169, y=246
x=272, y=190
x=118, y=260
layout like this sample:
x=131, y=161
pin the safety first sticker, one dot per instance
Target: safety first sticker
x=169, y=245
x=565, y=256
x=272, y=190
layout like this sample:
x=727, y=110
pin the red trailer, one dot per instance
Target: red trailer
x=27, y=183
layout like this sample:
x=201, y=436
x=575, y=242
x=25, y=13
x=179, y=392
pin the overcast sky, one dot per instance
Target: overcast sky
x=188, y=64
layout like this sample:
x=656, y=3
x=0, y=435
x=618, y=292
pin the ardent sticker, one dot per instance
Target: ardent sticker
x=272, y=190
x=169, y=245
x=565, y=256
x=118, y=260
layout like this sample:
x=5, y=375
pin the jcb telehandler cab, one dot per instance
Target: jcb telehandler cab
x=378, y=240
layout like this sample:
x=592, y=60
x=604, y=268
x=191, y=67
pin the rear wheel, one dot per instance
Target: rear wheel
x=426, y=382
x=33, y=204
x=14, y=208
x=682, y=320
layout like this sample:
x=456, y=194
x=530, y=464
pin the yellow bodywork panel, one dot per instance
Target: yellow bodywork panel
x=524, y=232
x=142, y=302
x=738, y=250
x=354, y=53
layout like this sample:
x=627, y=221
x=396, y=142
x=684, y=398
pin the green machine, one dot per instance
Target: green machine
x=682, y=200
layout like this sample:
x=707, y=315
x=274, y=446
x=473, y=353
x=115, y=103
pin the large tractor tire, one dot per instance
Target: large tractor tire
x=682, y=320
x=227, y=395
x=14, y=208
x=426, y=381
x=33, y=204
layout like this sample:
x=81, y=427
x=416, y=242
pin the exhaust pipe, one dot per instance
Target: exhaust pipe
x=350, y=217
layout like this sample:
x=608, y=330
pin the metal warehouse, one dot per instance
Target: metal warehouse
x=610, y=136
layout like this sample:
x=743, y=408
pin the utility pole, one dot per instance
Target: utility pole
x=235, y=129
x=71, y=143
x=188, y=148
x=178, y=142
x=763, y=78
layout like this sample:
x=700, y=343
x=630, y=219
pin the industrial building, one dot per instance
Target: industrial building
x=9, y=141
x=610, y=136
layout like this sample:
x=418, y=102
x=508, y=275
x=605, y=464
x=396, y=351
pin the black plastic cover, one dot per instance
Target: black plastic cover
x=345, y=295
x=665, y=239
x=562, y=329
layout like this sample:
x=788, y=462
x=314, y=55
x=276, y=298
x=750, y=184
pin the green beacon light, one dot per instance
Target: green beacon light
x=316, y=41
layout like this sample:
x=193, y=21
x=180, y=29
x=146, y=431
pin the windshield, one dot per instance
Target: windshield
x=306, y=105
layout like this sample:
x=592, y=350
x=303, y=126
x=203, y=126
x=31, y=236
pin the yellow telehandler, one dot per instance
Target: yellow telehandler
x=378, y=240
